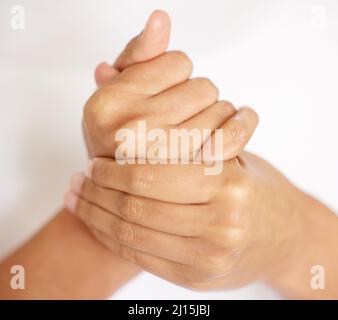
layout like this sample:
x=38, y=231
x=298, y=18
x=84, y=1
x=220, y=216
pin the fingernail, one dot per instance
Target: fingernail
x=89, y=169
x=71, y=200
x=76, y=182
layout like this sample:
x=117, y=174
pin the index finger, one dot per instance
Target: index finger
x=178, y=183
x=157, y=75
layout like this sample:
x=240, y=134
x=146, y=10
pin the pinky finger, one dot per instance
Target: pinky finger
x=235, y=133
x=173, y=272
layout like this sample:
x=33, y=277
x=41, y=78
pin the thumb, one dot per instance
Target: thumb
x=152, y=42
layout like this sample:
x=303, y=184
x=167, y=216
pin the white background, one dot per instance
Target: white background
x=280, y=57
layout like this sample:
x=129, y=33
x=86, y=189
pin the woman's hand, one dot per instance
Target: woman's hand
x=160, y=93
x=195, y=230
x=147, y=84
x=199, y=231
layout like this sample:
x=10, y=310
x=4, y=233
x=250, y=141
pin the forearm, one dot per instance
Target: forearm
x=318, y=246
x=64, y=261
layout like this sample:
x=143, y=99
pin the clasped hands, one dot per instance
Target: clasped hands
x=196, y=230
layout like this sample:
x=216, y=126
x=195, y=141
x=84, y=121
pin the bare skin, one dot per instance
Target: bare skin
x=50, y=254
x=54, y=258
x=64, y=261
x=249, y=223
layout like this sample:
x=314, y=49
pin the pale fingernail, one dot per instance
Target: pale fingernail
x=89, y=169
x=76, y=182
x=71, y=200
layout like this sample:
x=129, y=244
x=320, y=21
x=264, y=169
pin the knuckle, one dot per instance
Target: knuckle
x=140, y=180
x=127, y=254
x=125, y=233
x=88, y=188
x=183, y=59
x=100, y=171
x=98, y=109
x=223, y=109
x=132, y=208
x=236, y=239
x=235, y=217
x=241, y=191
x=228, y=107
x=207, y=88
x=83, y=210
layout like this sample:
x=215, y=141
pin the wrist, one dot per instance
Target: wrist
x=64, y=261
x=109, y=270
x=314, y=245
